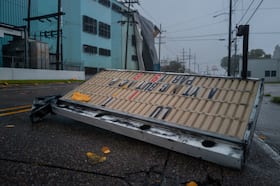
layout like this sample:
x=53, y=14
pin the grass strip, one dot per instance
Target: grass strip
x=7, y=82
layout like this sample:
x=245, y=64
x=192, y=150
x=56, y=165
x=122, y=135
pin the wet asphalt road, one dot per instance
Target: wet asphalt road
x=53, y=152
x=268, y=126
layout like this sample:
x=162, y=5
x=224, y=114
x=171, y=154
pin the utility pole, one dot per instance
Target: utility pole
x=28, y=17
x=236, y=64
x=127, y=28
x=190, y=59
x=160, y=42
x=127, y=32
x=183, y=61
x=229, y=37
x=58, y=35
x=194, y=62
x=184, y=56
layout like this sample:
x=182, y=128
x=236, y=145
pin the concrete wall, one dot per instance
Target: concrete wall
x=37, y=74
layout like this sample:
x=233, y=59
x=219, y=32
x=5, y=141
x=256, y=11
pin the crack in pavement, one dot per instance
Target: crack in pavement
x=65, y=168
x=164, y=168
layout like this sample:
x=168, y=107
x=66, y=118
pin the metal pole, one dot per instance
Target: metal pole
x=189, y=60
x=25, y=47
x=194, y=62
x=61, y=50
x=245, y=51
x=58, y=36
x=127, y=31
x=229, y=38
x=235, y=57
x=159, y=43
x=28, y=17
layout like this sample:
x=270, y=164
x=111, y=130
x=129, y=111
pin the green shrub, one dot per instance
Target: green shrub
x=276, y=100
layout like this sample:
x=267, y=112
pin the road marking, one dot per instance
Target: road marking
x=274, y=155
x=14, y=110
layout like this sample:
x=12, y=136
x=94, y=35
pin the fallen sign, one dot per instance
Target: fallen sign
x=212, y=118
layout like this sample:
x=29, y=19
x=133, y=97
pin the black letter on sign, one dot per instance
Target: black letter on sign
x=164, y=87
x=191, y=91
x=190, y=80
x=194, y=93
x=212, y=93
x=164, y=111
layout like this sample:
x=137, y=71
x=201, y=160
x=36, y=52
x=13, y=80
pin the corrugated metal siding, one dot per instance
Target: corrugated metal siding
x=218, y=105
x=13, y=11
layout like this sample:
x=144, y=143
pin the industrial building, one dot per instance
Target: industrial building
x=76, y=35
x=268, y=69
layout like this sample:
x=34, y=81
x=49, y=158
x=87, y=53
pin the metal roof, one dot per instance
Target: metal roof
x=217, y=105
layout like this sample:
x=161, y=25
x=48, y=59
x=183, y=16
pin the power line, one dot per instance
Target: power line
x=235, y=4
x=205, y=39
x=254, y=12
x=246, y=12
x=216, y=34
x=267, y=8
x=193, y=19
x=198, y=27
x=266, y=33
x=197, y=36
x=171, y=51
x=147, y=12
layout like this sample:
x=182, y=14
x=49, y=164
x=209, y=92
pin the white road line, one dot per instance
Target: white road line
x=274, y=155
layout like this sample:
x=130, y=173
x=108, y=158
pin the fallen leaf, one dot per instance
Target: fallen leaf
x=102, y=159
x=263, y=137
x=94, y=158
x=89, y=154
x=191, y=183
x=10, y=126
x=105, y=150
x=77, y=96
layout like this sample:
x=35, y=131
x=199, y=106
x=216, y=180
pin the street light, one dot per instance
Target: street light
x=223, y=13
x=229, y=34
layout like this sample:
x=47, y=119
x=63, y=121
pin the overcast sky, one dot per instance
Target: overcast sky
x=201, y=25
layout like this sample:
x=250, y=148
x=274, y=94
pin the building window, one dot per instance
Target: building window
x=104, y=30
x=267, y=73
x=89, y=25
x=249, y=73
x=90, y=49
x=273, y=73
x=133, y=40
x=116, y=8
x=134, y=57
x=104, y=52
x=105, y=2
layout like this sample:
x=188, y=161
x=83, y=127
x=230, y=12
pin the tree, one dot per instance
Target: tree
x=173, y=66
x=234, y=67
x=258, y=54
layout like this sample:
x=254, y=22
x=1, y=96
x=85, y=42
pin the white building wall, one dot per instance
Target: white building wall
x=37, y=74
x=258, y=67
